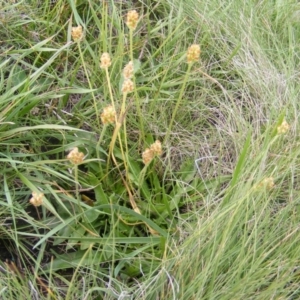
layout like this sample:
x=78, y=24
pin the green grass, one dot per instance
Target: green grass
x=216, y=216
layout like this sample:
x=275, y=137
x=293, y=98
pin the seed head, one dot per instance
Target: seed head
x=109, y=115
x=193, y=53
x=283, y=128
x=132, y=19
x=36, y=199
x=128, y=70
x=154, y=150
x=75, y=157
x=76, y=33
x=147, y=156
x=127, y=86
x=105, y=61
x=267, y=183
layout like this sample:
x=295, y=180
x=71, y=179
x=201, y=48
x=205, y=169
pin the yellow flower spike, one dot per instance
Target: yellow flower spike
x=128, y=86
x=193, y=53
x=105, y=61
x=109, y=115
x=36, y=199
x=283, y=128
x=76, y=33
x=132, y=19
x=75, y=157
x=128, y=70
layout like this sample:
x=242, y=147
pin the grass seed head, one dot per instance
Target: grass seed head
x=193, y=53
x=283, y=128
x=105, y=61
x=109, y=115
x=75, y=157
x=76, y=33
x=132, y=19
x=36, y=199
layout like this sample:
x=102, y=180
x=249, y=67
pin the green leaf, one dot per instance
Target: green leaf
x=136, y=65
x=18, y=130
x=138, y=217
x=238, y=169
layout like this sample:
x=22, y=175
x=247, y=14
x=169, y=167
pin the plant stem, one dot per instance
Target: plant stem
x=178, y=102
x=99, y=142
x=90, y=85
x=76, y=184
x=110, y=89
x=137, y=103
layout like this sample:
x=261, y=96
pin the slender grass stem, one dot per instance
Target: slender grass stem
x=98, y=144
x=90, y=84
x=76, y=184
x=109, y=88
x=178, y=103
x=136, y=96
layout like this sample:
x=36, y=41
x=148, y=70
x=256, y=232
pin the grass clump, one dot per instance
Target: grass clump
x=134, y=165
